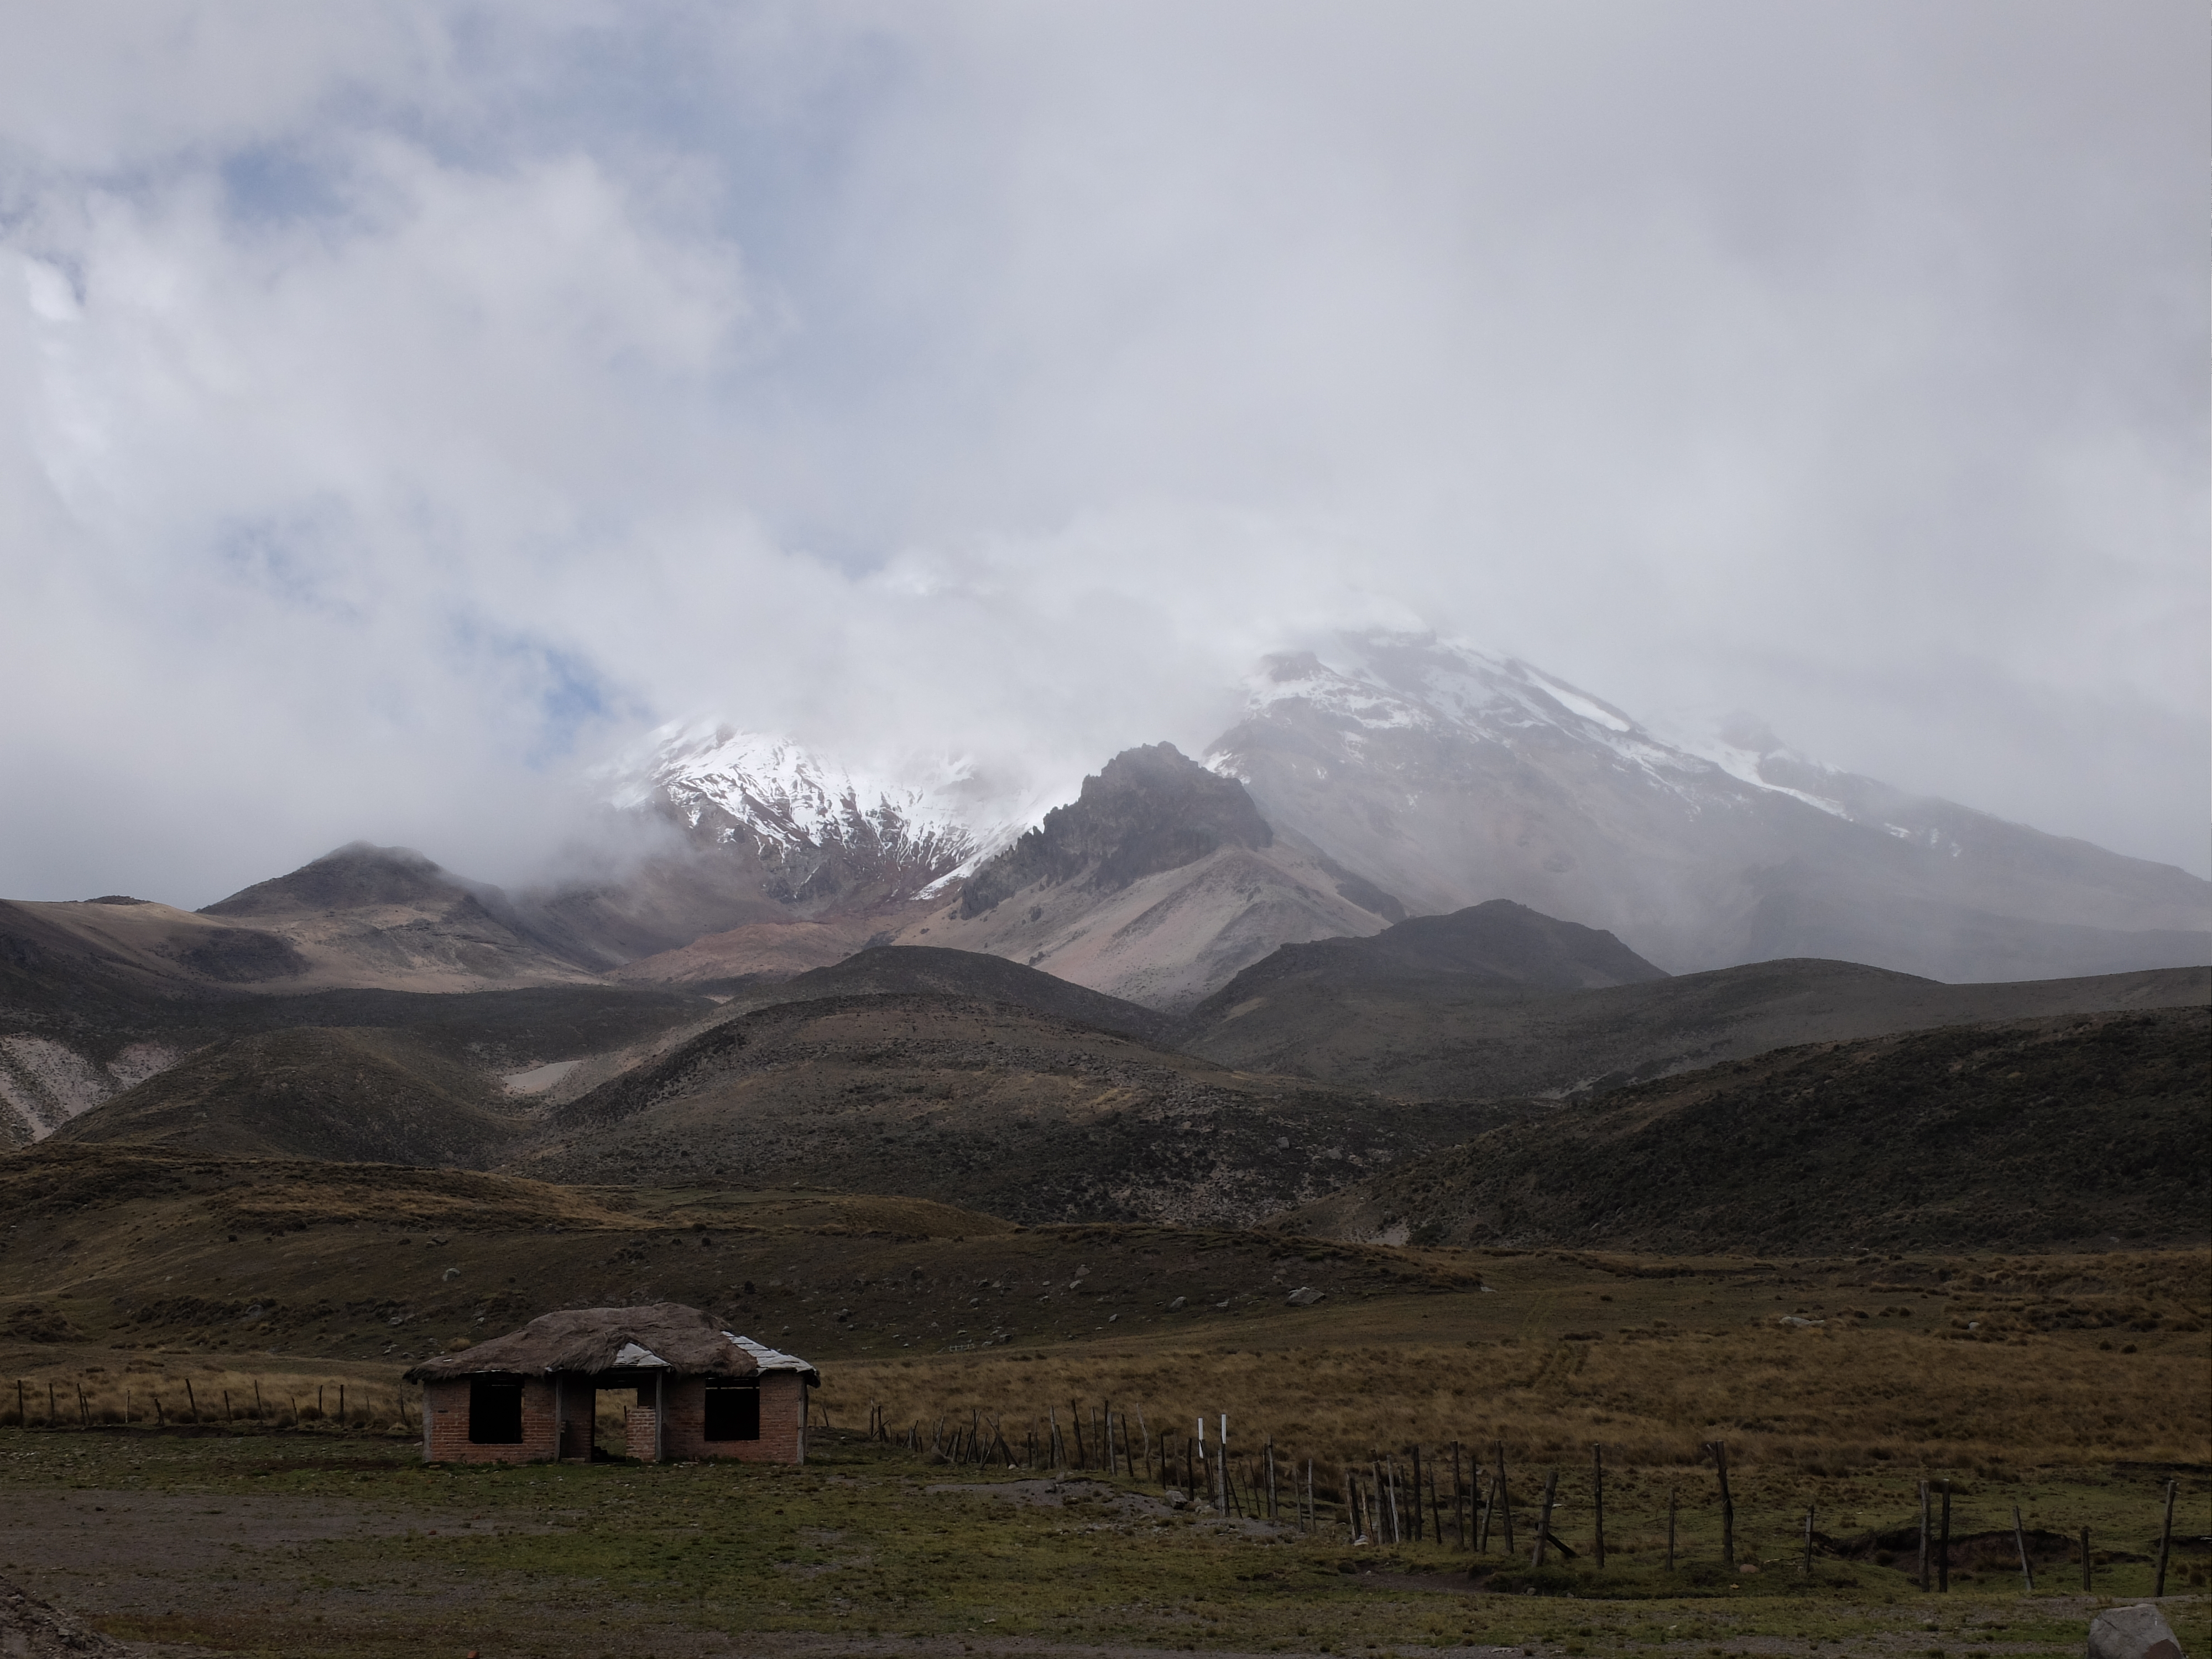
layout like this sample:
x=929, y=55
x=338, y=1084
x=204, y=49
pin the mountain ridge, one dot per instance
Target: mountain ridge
x=1450, y=777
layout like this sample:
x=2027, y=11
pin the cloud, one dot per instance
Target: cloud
x=410, y=408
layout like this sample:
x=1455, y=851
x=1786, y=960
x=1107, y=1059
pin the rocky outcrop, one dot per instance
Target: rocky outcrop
x=1148, y=810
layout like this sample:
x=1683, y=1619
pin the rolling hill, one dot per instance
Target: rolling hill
x=927, y=971
x=385, y=1096
x=2071, y=1130
x=1364, y=1014
x=63, y=1058
x=1023, y=1114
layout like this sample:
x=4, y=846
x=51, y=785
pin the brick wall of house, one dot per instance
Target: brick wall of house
x=783, y=1423
x=446, y=1425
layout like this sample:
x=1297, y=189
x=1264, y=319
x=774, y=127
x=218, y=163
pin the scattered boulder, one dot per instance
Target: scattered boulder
x=1304, y=1296
x=35, y=1629
x=2136, y=1632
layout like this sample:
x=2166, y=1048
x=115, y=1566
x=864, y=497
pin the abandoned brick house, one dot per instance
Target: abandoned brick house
x=698, y=1391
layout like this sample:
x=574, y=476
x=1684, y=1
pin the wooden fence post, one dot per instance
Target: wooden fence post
x=1923, y=1536
x=1597, y=1497
x=2019, y=1542
x=1503, y=1501
x=1416, y=1455
x=1944, y=1546
x=1808, y=1543
x=1459, y=1503
x=2164, y=1539
x=1544, y=1521
x=1719, y=1449
x=1221, y=1461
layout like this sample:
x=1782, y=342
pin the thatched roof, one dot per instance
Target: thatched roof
x=661, y=1336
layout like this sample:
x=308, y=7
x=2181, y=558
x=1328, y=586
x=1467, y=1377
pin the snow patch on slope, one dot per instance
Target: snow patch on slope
x=1407, y=681
x=942, y=811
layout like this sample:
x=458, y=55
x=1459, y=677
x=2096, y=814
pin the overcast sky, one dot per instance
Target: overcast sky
x=406, y=405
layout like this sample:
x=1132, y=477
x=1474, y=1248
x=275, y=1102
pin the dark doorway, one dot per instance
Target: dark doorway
x=732, y=1410
x=495, y=1410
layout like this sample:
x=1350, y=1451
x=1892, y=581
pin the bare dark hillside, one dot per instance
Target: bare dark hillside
x=984, y=1104
x=346, y=1095
x=927, y=971
x=2034, y=1134
x=79, y=1038
x=1333, y=1015
x=1494, y=942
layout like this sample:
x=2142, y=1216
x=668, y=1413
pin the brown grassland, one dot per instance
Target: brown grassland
x=2072, y=1388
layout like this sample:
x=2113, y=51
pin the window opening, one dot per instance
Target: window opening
x=494, y=1412
x=732, y=1409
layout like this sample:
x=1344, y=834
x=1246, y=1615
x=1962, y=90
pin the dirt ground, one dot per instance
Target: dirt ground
x=176, y=1562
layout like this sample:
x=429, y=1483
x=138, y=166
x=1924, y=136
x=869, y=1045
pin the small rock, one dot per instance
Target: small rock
x=2136, y=1633
x=452, y=1273
x=1175, y=1306
x=1304, y=1296
x=1793, y=1318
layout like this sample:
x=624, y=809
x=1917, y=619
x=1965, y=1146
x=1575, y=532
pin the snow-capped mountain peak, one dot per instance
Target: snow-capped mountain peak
x=1406, y=682
x=917, y=830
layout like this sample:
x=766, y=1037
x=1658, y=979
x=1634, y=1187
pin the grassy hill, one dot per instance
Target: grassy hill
x=145, y=1247
x=1025, y=1116
x=2030, y=1135
x=92, y=1019
x=395, y=1096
